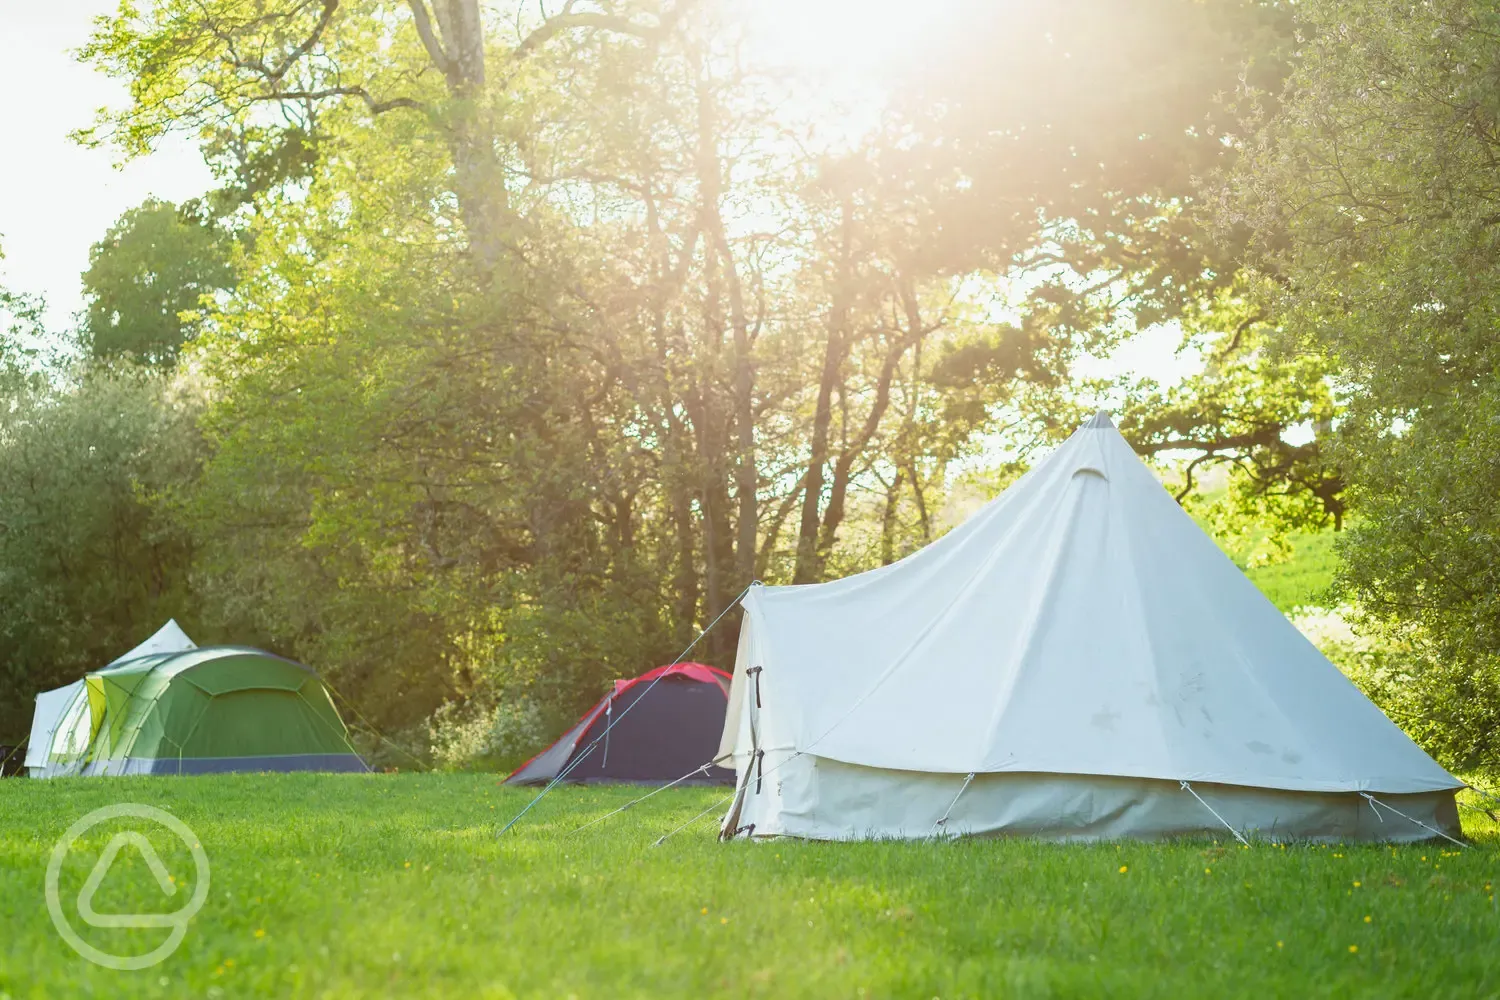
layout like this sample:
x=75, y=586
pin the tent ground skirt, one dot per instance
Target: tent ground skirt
x=817, y=798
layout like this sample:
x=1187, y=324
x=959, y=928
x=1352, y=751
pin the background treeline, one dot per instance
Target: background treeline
x=516, y=341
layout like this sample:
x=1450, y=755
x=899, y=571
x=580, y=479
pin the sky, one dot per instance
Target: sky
x=56, y=197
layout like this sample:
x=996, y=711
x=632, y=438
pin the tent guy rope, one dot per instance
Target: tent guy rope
x=1189, y=789
x=700, y=769
x=1432, y=829
x=423, y=765
x=712, y=806
x=1491, y=796
x=938, y=827
x=681, y=658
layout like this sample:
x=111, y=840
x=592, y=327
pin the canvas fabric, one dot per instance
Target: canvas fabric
x=821, y=799
x=1080, y=624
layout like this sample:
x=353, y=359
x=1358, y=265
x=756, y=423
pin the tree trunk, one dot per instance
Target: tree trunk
x=745, y=478
x=843, y=469
x=685, y=579
x=809, y=567
x=888, y=520
x=729, y=562
x=921, y=499
x=679, y=463
x=457, y=49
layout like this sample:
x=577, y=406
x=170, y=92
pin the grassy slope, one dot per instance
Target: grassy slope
x=344, y=886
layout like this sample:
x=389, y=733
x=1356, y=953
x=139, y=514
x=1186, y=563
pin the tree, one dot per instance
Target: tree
x=551, y=335
x=1245, y=411
x=1089, y=196
x=92, y=558
x=147, y=283
x=21, y=319
x=1370, y=189
x=25, y=348
x=215, y=66
x=436, y=485
x=1065, y=141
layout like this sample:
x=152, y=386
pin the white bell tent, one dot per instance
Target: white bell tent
x=1077, y=661
x=52, y=705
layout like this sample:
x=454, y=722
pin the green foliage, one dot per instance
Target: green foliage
x=1424, y=560
x=1368, y=190
x=148, y=281
x=1242, y=413
x=448, y=476
x=401, y=480
x=343, y=886
x=25, y=352
x=90, y=554
x=547, y=334
x=1304, y=578
x=213, y=63
x=468, y=736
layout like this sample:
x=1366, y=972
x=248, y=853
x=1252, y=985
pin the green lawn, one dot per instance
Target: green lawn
x=1303, y=580
x=395, y=885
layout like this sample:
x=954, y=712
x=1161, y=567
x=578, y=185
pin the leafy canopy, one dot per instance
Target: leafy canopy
x=150, y=281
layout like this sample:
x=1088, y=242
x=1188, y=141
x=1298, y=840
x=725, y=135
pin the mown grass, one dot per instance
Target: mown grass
x=1303, y=580
x=396, y=885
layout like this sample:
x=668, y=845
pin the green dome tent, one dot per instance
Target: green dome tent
x=200, y=711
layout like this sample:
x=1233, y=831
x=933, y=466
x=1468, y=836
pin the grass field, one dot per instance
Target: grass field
x=1303, y=580
x=395, y=885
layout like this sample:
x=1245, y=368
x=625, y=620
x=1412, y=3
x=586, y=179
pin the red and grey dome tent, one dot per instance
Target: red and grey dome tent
x=660, y=726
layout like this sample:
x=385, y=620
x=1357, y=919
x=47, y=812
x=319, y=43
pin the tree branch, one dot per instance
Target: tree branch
x=376, y=107
x=329, y=8
x=1209, y=445
x=567, y=19
x=430, y=40
x=258, y=65
x=1239, y=333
